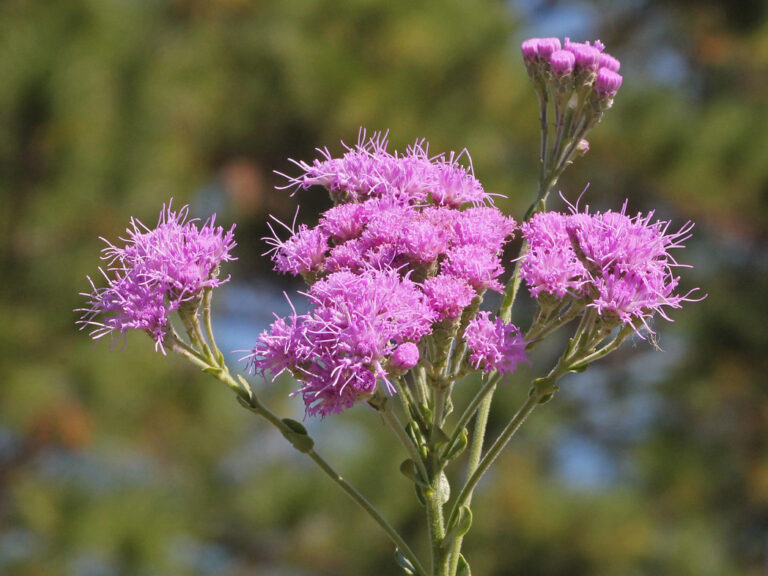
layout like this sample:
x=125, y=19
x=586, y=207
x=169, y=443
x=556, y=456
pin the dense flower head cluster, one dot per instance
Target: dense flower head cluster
x=588, y=62
x=494, y=344
x=156, y=272
x=339, y=350
x=619, y=265
x=439, y=224
x=423, y=221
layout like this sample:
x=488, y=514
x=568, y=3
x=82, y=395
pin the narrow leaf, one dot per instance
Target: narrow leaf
x=410, y=470
x=459, y=446
x=404, y=563
x=297, y=427
x=462, y=568
x=301, y=442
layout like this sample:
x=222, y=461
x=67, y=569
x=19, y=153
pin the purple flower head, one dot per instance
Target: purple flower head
x=562, y=62
x=302, y=253
x=483, y=226
x=346, y=221
x=368, y=170
x=621, y=265
x=476, y=266
x=454, y=185
x=448, y=296
x=405, y=356
x=550, y=265
x=494, y=345
x=607, y=82
x=337, y=350
x=155, y=272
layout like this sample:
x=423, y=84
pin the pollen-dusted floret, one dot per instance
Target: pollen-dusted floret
x=494, y=344
x=156, y=272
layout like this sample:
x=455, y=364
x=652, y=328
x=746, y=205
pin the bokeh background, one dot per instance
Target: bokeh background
x=129, y=463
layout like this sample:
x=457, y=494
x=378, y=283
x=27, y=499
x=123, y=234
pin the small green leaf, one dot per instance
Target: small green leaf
x=580, y=368
x=410, y=470
x=462, y=568
x=213, y=371
x=461, y=526
x=297, y=427
x=458, y=447
x=415, y=434
x=301, y=442
x=465, y=521
x=404, y=563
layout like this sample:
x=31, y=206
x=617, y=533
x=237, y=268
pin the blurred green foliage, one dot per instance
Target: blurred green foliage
x=131, y=463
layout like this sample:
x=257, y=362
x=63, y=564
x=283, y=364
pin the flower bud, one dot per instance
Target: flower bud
x=546, y=46
x=608, y=61
x=607, y=82
x=587, y=57
x=530, y=49
x=562, y=62
x=405, y=357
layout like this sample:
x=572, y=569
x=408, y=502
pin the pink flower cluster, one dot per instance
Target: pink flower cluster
x=156, y=272
x=548, y=56
x=410, y=236
x=620, y=265
x=339, y=350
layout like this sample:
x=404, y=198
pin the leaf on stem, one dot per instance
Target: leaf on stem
x=297, y=427
x=462, y=568
x=404, y=563
x=410, y=470
x=458, y=446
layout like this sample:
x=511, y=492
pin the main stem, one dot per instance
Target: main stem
x=475, y=452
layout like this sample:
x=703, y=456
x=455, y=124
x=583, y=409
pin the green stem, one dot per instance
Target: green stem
x=537, y=393
x=392, y=421
x=487, y=388
x=475, y=451
x=359, y=499
x=436, y=525
x=207, y=295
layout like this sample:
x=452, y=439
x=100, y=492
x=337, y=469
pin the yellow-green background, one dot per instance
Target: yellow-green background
x=129, y=463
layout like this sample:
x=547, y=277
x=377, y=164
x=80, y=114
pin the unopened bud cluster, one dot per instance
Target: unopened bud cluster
x=573, y=66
